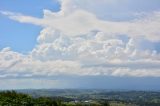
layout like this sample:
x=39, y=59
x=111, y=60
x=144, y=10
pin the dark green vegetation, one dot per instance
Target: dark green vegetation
x=73, y=97
x=11, y=98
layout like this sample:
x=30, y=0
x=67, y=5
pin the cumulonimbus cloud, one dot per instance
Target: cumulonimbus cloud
x=74, y=41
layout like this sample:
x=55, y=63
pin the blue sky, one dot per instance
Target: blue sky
x=108, y=41
x=21, y=37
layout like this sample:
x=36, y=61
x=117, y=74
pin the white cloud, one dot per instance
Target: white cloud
x=86, y=57
x=48, y=35
x=74, y=41
x=80, y=22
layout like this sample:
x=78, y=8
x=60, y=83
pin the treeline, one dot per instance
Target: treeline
x=12, y=98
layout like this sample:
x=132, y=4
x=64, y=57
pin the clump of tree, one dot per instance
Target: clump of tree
x=12, y=98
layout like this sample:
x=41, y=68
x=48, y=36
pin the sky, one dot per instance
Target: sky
x=102, y=44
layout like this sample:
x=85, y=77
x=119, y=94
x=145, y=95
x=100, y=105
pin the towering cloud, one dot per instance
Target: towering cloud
x=75, y=41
